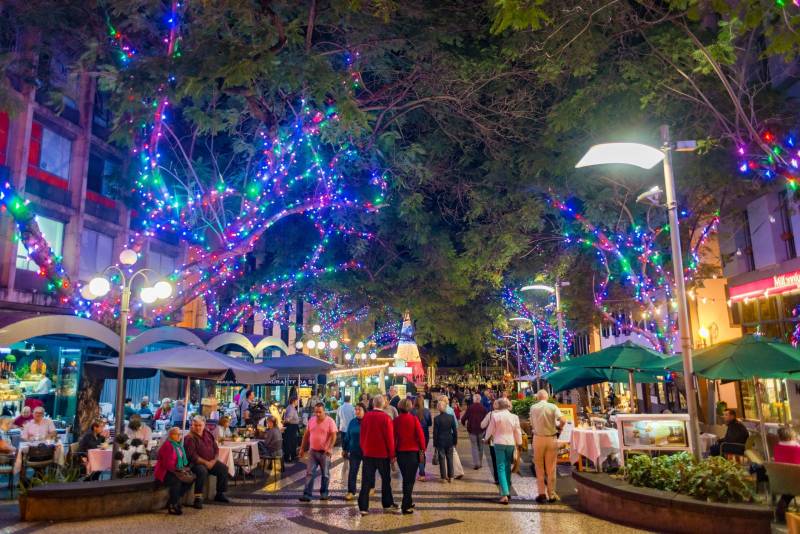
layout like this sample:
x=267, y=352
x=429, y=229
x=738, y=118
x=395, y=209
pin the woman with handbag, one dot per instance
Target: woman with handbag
x=410, y=445
x=505, y=432
x=172, y=470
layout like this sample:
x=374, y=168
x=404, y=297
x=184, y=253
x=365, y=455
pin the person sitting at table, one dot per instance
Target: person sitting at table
x=209, y=408
x=271, y=443
x=5, y=440
x=40, y=428
x=163, y=411
x=176, y=415
x=128, y=410
x=202, y=450
x=23, y=417
x=144, y=408
x=223, y=430
x=735, y=437
x=172, y=457
x=92, y=439
x=787, y=451
x=137, y=430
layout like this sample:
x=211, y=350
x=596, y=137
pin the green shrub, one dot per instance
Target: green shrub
x=522, y=407
x=712, y=479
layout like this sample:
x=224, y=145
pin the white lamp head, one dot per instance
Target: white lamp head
x=148, y=295
x=363, y=355
x=99, y=286
x=333, y=344
x=163, y=289
x=539, y=287
x=128, y=257
x=87, y=293
x=360, y=344
x=348, y=356
x=311, y=343
x=316, y=329
x=321, y=345
x=643, y=156
x=373, y=356
x=299, y=345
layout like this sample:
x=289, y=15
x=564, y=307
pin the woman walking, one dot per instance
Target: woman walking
x=425, y=421
x=506, y=434
x=351, y=450
x=410, y=446
x=445, y=437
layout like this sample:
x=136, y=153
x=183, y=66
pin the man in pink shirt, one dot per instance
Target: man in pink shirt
x=318, y=441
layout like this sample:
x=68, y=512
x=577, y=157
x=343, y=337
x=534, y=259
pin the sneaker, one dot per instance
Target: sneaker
x=408, y=512
x=324, y=497
x=304, y=498
x=198, y=503
x=363, y=512
x=349, y=497
x=541, y=499
x=554, y=498
x=220, y=497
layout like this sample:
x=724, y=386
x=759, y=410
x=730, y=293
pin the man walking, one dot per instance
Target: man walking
x=318, y=440
x=546, y=420
x=378, y=449
x=202, y=451
x=344, y=415
x=472, y=419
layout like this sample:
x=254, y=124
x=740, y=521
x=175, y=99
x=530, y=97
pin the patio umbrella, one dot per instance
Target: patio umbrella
x=185, y=362
x=626, y=356
x=577, y=377
x=298, y=364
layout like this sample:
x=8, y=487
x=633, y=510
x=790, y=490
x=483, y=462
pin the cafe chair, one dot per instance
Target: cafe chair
x=39, y=458
x=241, y=462
x=7, y=469
x=784, y=479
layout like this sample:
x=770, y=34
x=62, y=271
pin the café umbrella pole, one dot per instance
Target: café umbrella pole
x=632, y=388
x=186, y=403
x=762, y=428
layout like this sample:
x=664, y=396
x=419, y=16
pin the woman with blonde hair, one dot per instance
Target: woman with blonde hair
x=506, y=434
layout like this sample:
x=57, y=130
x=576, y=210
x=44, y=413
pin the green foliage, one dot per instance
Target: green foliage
x=712, y=479
x=522, y=407
x=519, y=15
x=51, y=475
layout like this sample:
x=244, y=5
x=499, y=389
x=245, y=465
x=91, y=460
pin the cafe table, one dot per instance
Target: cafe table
x=228, y=450
x=101, y=459
x=25, y=445
x=593, y=444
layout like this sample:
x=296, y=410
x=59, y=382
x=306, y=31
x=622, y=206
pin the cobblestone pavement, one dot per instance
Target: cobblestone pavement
x=465, y=506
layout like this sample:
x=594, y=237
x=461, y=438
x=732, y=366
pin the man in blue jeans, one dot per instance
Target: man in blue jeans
x=318, y=441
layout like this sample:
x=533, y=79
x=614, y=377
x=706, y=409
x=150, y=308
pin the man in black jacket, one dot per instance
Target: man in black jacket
x=445, y=437
x=735, y=437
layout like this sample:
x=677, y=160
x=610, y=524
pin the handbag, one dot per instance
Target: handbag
x=185, y=475
x=517, y=456
x=435, y=459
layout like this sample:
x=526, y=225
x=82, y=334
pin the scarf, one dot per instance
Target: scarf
x=180, y=453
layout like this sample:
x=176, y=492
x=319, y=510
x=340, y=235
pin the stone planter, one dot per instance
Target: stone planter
x=662, y=511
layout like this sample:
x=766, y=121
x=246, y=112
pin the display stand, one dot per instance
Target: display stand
x=652, y=432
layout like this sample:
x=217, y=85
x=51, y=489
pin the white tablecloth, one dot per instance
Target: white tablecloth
x=593, y=444
x=227, y=452
x=23, y=448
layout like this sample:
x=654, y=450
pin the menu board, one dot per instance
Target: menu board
x=653, y=432
x=569, y=411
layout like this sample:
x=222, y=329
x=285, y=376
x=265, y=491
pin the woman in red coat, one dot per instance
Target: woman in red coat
x=172, y=457
x=410, y=445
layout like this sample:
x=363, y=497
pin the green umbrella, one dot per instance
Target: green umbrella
x=577, y=377
x=628, y=356
x=745, y=358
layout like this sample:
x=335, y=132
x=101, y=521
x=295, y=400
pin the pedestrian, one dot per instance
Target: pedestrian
x=458, y=469
x=351, y=450
x=245, y=401
x=291, y=420
x=410, y=446
x=172, y=458
x=394, y=398
x=390, y=410
x=318, y=441
x=445, y=438
x=378, y=449
x=472, y=418
x=506, y=434
x=546, y=421
x=344, y=415
x=202, y=451
x=425, y=421
x=492, y=454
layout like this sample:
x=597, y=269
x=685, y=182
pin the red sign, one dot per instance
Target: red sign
x=779, y=283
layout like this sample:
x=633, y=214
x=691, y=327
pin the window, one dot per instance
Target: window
x=787, y=234
x=96, y=253
x=56, y=150
x=53, y=232
x=101, y=174
x=161, y=263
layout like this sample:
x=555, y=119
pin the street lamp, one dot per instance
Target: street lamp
x=647, y=157
x=562, y=353
x=99, y=287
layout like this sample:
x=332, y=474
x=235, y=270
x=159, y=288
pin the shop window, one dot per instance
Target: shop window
x=163, y=264
x=53, y=232
x=774, y=405
x=96, y=253
x=768, y=309
x=101, y=174
x=55, y=154
x=749, y=314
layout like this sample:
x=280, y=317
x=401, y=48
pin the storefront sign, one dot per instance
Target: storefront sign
x=400, y=368
x=304, y=382
x=779, y=283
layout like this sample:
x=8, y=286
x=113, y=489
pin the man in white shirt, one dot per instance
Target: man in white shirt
x=38, y=429
x=546, y=419
x=344, y=415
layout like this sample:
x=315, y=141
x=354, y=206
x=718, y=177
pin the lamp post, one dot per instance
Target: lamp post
x=556, y=290
x=99, y=287
x=646, y=157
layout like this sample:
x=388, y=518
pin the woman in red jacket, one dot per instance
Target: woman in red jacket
x=410, y=445
x=172, y=457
